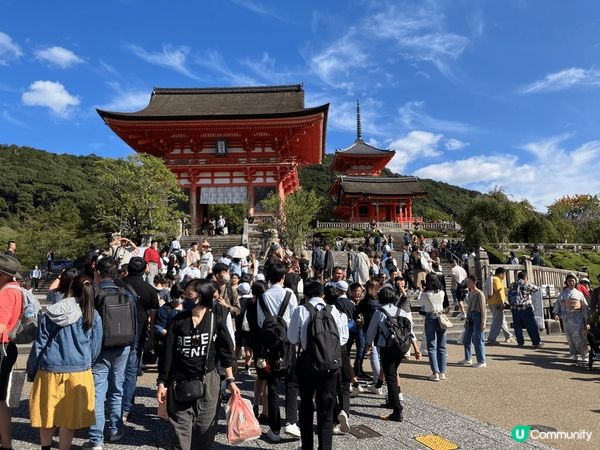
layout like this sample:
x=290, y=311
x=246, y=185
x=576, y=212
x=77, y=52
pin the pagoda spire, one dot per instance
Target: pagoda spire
x=358, y=123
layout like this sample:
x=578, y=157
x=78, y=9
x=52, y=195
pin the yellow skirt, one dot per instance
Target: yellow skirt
x=62, y=400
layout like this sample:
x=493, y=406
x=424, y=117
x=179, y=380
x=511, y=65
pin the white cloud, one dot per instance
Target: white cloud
x=50, y=94
x=553, y=172
x=174, y=58
x=59, y=57
x=126, y=100
x=8, y=117
x=413, y=115
x=455, y=144
x=266, y=69
x=257, y=7
x=565, y=79
x=415, y=145
x=342, y=116
x=214, y=61
x=9, y=49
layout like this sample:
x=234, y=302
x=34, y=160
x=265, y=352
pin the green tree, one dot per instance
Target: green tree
x=143, y=196
x=299, y=210
x=577, y=217
x=436, y=215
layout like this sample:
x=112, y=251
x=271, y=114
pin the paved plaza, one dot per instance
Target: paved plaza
x=474, y=408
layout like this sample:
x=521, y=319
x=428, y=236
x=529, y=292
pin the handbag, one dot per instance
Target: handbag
x=194, y=389
x=444, y=322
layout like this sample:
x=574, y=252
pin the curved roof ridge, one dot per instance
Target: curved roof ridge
x=228, y=90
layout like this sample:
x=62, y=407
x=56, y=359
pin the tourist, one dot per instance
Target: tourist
x=521, y=306
x=432, y=301
x=242, y=328
x=122, y=249
x=417, y=268
x=536, y=258
x=318, y=260
x=49, y=259
x=378, y=335
x=191, y=272
x=292, y=279
x=361, y=266
x=10, y=311
x=365, y=309
x=59, y=288
x=162, y=289
x=357, y=336
x=235, y=268
x=11, y=249
x=153, y=259
x=594, y=300
x=572, y=307
x=227, y=296
x=321, y=388
x=196, y=341
x=192, y=254
x=36, y=275
x=351, y=260
x=166, y=313
x=110, y=365
x=584, y=287
x=512, y=258
x=260, y=385
x=212, y=226
x=272, y=301
x=221, y=226
x=475, y=324
x=69, y=340
x=496, y=303
x=147, y=304
x=459, y=286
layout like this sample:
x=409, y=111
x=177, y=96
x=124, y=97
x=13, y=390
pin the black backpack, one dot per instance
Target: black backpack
x=323, y=341
x=276, y=348
x=399, y=336
x=118, y=316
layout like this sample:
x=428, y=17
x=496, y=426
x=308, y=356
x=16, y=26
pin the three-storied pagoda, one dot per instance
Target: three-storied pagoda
x=360, y=194
x=227, y=145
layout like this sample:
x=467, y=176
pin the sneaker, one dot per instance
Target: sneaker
x=401, y=396
x=344, y=424
x=462, y=316
x=573, y=357
x=125, y=416
x=273, y=437
x=442, y=376
x=509, y=340
x=465, y=362
x=373, y=389
x=248, y=372
x=392, y=417
x=92, y=446
x=480, y=365
x=488, y=342
x=337, y=430
x=541, y=344
x=434, y=377
x=116, y=437
x=292, y=429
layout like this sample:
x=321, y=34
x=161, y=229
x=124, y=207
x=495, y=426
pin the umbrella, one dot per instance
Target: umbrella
x=238, y=251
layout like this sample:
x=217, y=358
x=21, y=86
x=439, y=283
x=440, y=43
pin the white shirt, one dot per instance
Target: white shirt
x=273, y=299
x=36, y=273
x=190, y=272
x=175, y=246
x=298, y=327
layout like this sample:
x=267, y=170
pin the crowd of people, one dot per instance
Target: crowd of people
x=299, y=324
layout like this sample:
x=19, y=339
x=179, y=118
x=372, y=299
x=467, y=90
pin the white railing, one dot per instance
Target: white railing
x=440, y=226
x=552, y=246
x=367, y=225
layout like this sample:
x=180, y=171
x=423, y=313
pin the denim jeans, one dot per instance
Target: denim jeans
x=375, y=364
x=498, y=323
x=524, y=318
x=436, y=343
x=474, y=334
x=109, y=375
x=131, y=378
x=358, y=338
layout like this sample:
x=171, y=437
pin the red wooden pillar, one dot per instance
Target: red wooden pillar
x=193, y=211
x=281, y=195
x=250, y=197
x=410, y=216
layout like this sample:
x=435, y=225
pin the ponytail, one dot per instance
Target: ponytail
x=83, y=289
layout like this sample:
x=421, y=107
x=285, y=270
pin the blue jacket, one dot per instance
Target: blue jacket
x=62, y=345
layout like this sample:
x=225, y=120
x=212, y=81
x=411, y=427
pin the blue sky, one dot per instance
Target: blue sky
x=471, y=92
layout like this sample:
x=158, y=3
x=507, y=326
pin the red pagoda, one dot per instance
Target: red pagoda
x=360, y=194
x=227, y=145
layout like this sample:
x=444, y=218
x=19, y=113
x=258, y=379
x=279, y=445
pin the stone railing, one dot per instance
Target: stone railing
x=440, y=226
x=367, y=225
x=551, y=246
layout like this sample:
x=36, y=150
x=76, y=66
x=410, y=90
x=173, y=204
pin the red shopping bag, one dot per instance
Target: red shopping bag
x=242, y=426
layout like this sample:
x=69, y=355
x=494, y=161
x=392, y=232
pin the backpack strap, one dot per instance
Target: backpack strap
x=130, y=289
x=263, y=307
x=284, y=304
x=210, y=338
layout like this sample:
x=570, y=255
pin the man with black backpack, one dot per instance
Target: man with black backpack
x=390, y=330
x=146, y=301
x=321, y=330
x=274, y=311
x=118, y=311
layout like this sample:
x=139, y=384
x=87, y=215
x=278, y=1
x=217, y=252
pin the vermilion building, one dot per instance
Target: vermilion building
x=360, y=194
x=227, y=145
